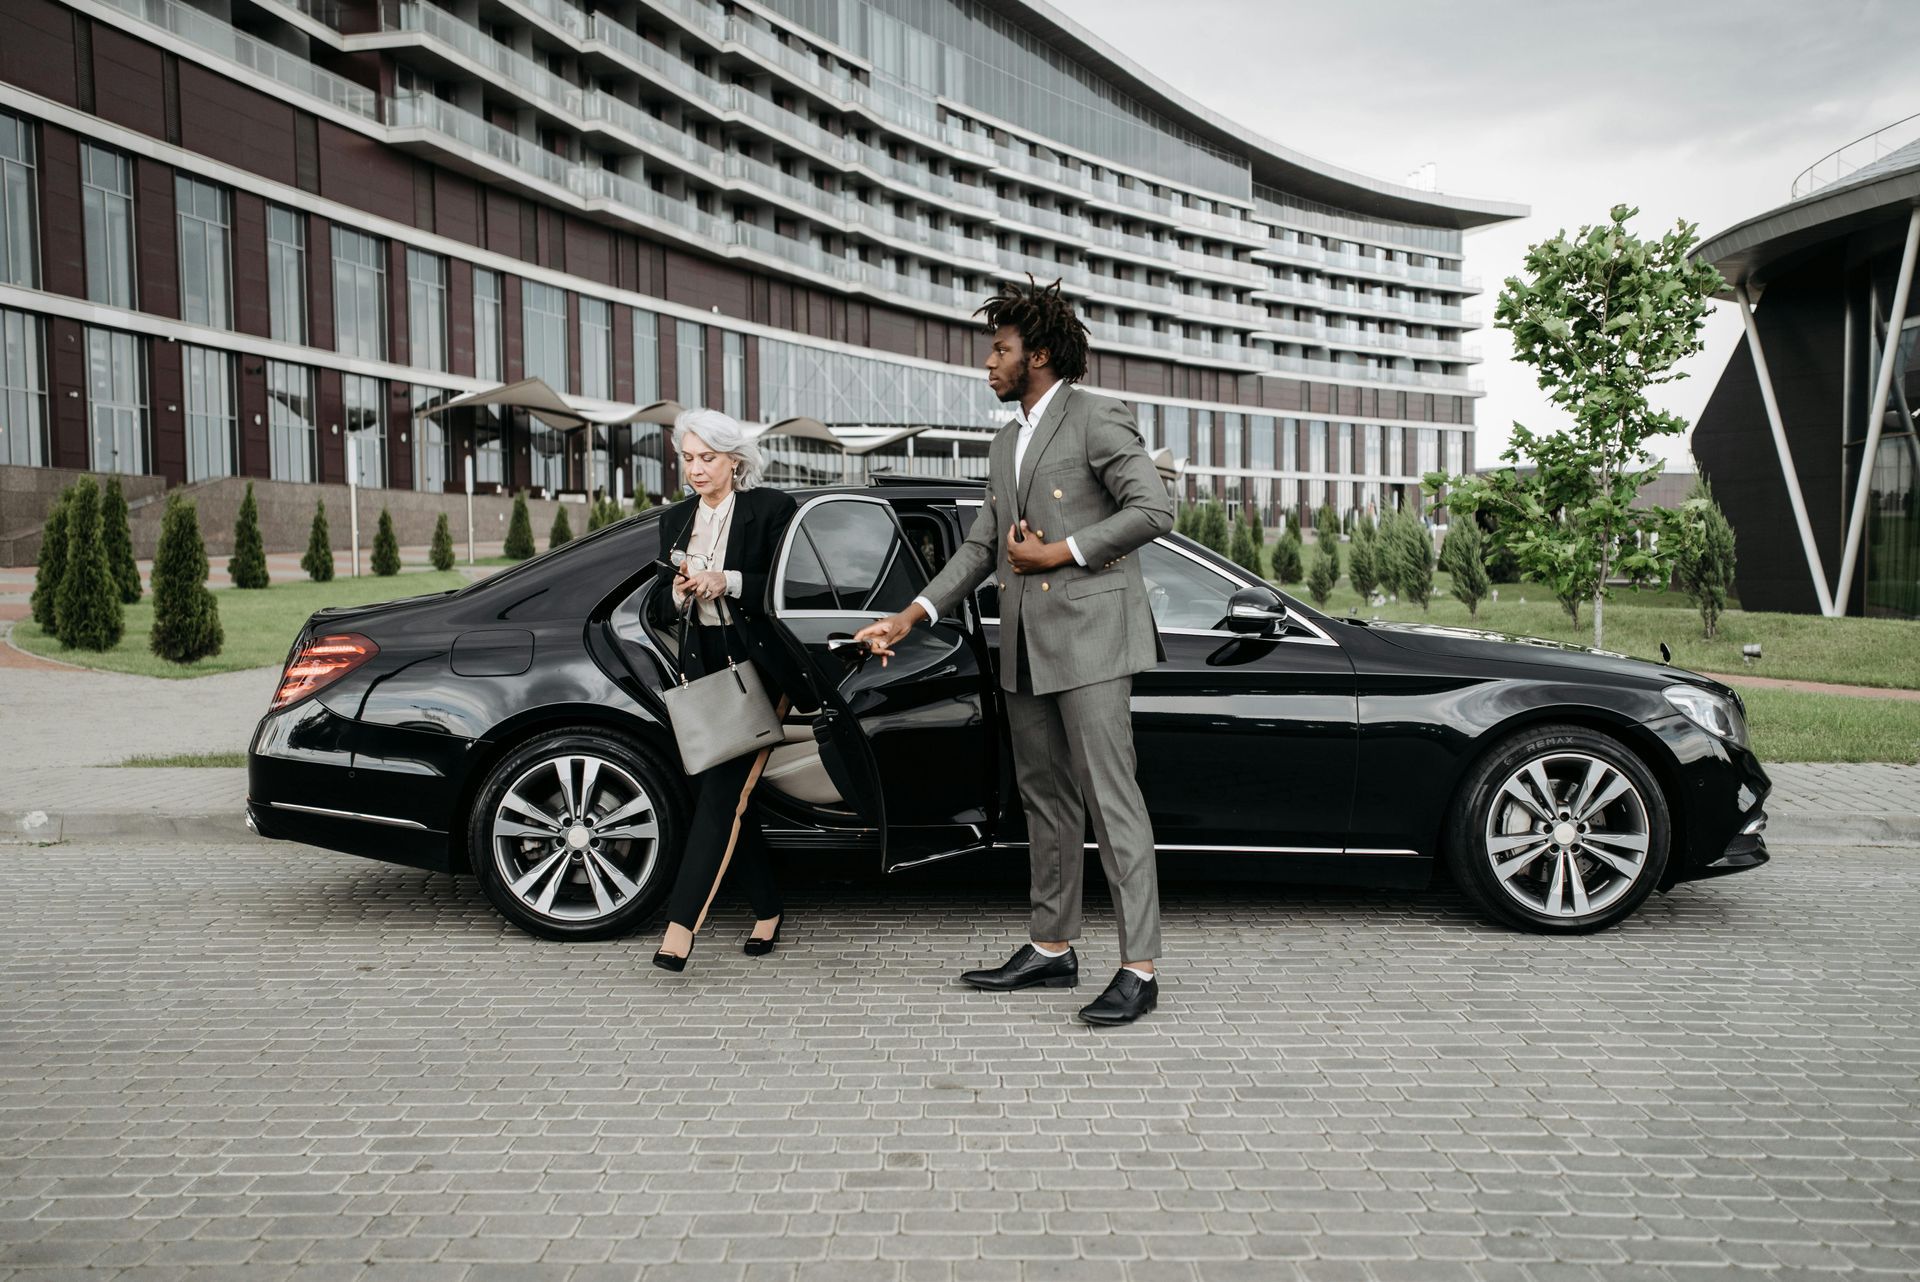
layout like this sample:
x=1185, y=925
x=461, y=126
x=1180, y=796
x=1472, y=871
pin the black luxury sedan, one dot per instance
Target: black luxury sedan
x=514, y=729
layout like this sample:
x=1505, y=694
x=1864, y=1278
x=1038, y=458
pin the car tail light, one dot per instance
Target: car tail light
x=319, y=663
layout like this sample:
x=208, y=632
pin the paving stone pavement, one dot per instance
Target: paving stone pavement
x=268, y=1063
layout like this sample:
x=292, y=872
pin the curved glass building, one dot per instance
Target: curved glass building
x=239, y=233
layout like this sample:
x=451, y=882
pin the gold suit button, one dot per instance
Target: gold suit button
x=1057, y=494
x=1003, y=585
x=1046, y=587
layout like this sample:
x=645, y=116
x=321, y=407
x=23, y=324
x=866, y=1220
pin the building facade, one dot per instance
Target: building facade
x=1812, y=435
x=240, y=233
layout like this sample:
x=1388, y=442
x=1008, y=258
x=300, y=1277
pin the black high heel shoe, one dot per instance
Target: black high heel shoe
x=673, y=961
x=761, y=947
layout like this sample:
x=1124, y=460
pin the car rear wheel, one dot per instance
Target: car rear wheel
x=1561, y=830
x=576, y=834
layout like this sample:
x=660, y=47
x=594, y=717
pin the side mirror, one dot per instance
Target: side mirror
x=1258, y=612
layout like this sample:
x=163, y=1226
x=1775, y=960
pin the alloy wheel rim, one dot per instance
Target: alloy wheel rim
x=575, y=837
x=1567, y=835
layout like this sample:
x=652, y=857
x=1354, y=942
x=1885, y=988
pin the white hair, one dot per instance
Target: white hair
x=724, y=433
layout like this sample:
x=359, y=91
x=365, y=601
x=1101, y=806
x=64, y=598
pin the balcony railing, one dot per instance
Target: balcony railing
x=1346, y=336
x=516, y=68
x=1843, y=162
x=1292, y=251
x=424, y=111
x=257, y=56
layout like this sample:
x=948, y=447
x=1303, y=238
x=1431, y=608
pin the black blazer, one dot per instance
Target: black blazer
x=760, y=518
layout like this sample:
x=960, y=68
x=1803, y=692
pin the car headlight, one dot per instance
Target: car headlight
x=1711, y=712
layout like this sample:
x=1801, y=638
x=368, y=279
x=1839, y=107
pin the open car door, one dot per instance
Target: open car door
x=910, y=745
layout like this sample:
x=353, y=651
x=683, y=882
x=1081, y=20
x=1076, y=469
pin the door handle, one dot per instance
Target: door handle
x=848, y=650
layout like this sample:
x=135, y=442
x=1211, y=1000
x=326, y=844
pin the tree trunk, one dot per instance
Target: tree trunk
x=1599, y=633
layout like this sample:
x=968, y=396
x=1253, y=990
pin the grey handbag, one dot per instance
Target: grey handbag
x=723, y=715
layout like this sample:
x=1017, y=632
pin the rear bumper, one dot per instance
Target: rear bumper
x=369, y=836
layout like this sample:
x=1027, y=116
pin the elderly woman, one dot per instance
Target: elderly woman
x=724, y=537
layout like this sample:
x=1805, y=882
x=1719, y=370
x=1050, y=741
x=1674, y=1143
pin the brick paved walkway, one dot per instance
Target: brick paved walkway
x=263, y=1064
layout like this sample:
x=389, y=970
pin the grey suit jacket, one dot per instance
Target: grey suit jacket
x=1086, y=474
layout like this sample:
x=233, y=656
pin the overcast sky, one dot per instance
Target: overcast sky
x=1695, y=109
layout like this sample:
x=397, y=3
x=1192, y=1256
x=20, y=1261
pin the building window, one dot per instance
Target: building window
x=1263, y=448
x=19, y=263
x=107, y=210
x=207, y=377
x=359, y=295
x=1396, y=451
x=286, y=275
x=544, y=316
x=1343, y=449
x=23, y=391
x=1231, y=432
x=1370, y=438
x=646, y=358
x=1203, y=437
x=733, y=353
x=426, y=310
x=1174, y=419
x=1317, y=451
x=489, y=429
x=429, y=442
x=201, y=211
x=367, y=428
x=116, y=401
x=691, y=367
x=1143, y=417
x=547, y=452
x=290, y=426
x=596, y=349
x=489, y=334
x=1289, y=445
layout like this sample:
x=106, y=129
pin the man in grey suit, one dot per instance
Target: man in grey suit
x=1070, y=494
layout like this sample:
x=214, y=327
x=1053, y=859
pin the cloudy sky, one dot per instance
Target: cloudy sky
x=1695, y=109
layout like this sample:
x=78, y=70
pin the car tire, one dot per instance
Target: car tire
x=577, y=834
x=1558, y=830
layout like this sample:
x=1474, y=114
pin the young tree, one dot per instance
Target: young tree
x=519, y=543
x=248, y=565
x=1704, y=560
x=1326, y=523
x=45, y=602
x=118, y=534
x=441, y=553
x=1602, y=317
x=1403, y=557
x=562, y=531
x=318, y=561
x=1293, y=522
x=87, y=614
x=186, y=618
x=1256, y=539
x=1323, y=572
x=641, y=502
x=386, y=548
x=1286, y=558
x=1362, y=571
x=1463, y=557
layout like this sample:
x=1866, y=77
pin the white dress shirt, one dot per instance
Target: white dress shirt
x=1027, y=423
x=707, y=549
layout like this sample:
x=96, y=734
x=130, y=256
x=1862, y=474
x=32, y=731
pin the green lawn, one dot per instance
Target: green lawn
x=1868, y=652
x=198, y=760
x=259, y=625
x=1788, y=725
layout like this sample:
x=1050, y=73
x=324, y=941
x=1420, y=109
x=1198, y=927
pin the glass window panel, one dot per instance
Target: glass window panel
x=544, y=333
x=207, y=378
x=200, y=209
x=1183, y=593
x=691, y=341
x=432, y=466
x=19, y=239
x=23, y=391
x=286, y=274
x=116, y=401
x=646, y=361
x=359, y=295
x=367, y=427
x=291, y=435
x=489, y=334
x=734, y=358
x=867, y=562
x=596, y=348
x=107, y=214
x=426, y=310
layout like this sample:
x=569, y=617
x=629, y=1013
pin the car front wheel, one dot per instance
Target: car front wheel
x=1560, y=830
x=576, y=834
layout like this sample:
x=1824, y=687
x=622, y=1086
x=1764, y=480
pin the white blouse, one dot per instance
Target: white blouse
x=707, y=550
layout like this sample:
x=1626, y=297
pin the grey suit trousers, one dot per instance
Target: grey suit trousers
x=1073, y=751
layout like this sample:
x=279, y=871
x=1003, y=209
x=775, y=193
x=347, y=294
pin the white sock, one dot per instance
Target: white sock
x=1144, y=974
x=1044, y=951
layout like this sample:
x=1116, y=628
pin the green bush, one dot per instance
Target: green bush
x=87, y=613
x=1464, y=557
x=386, y=548
x=519, y=543
x=562, y=531
x=1213, y=527
x=318, y=561
x=441, y=553
x=248, y=566
x=1241, y=549
x=1362, y=563
x=118, y=534
x=1324, y=572
x=1293, y=522
x=45, y=603
x=186, y=618
x=603, y=512
x=1286, y=558
x=641, y=502
x=1705, y=563
x=1326, y=523
x=1404, y=558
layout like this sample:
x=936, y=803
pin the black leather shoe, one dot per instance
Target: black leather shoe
x=673, y=961
x=1127, y=998
x=1026, y=968
x=761, y=947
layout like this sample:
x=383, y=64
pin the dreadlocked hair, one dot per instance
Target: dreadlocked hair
x=1046, y=321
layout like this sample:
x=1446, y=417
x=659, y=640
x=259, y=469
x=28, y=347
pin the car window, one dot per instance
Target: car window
x=1183, y=592
x=846, y=554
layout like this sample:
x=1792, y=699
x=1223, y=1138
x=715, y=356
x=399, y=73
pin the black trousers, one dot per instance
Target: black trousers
x=725, y=835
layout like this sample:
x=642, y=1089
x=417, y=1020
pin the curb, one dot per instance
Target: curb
x=38, y=827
